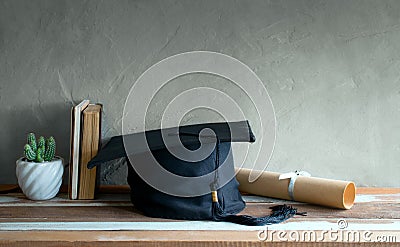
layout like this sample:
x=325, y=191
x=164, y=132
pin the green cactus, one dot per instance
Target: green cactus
x=41, y=142
x=29, y=153
x=39, y=155
x=32, y=141
x=50, y=149
x=41, y=151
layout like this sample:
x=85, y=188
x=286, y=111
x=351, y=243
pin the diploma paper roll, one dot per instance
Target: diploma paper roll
x=320, y=191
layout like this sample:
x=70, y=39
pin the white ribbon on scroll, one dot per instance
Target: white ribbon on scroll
x=292, y=176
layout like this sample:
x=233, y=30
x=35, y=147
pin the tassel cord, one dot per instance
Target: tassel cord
x=279, y=213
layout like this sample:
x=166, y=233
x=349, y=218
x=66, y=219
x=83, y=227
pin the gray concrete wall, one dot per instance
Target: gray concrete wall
x=332, y=70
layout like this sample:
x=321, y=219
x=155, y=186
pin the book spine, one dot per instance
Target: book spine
x=90, y=142
x=70, y=189
x=74, y=148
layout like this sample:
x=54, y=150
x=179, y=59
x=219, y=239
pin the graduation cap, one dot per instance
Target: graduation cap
x=187, y=172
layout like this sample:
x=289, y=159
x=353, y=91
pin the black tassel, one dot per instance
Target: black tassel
x=279, y=214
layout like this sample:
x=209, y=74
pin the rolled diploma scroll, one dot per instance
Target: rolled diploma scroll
x=320, y=191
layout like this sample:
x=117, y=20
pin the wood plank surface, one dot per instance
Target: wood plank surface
x=130, y=214
x=377, y=210
x=165, y=238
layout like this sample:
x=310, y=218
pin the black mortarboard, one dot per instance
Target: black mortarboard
x=167, y=182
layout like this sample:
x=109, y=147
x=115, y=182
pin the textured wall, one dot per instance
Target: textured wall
x=332, y=69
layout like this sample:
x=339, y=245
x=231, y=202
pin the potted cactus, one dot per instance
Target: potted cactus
x=39, y=172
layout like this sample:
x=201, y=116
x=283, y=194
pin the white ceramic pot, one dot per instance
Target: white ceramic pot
x=40, y=181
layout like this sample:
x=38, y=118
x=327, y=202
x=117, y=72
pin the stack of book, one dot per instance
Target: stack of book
x=85, y=143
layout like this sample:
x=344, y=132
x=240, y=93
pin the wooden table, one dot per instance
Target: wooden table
x=111, y=220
